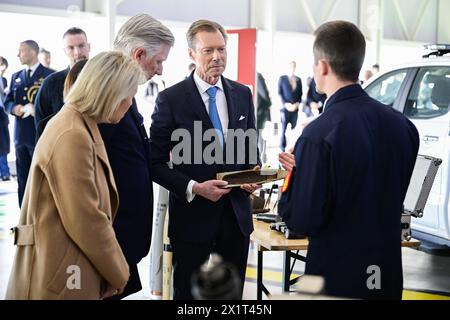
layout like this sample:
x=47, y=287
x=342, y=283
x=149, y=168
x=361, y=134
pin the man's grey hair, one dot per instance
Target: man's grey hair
x=143, y=31
x=203, y=25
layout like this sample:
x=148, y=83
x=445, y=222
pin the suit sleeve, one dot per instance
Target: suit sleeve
x=86, y=224
x=42, y=104
x=304, y=206
x=163, y=124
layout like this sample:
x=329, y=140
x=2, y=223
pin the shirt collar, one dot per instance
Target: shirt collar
x=348, y=92
x=203, y=85
x=34, y=67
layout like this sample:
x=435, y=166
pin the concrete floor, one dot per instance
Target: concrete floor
x=422, y=272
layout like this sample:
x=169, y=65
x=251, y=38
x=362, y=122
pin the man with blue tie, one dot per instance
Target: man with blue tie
x=20, y=103
x=204, y=216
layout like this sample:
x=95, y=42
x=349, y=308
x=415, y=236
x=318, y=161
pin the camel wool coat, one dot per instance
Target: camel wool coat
x=66, y=245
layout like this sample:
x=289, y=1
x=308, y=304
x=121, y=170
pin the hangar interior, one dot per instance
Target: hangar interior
x=395, y=31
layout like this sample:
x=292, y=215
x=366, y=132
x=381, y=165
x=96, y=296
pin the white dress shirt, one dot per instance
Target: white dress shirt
x=222, y=108
x=33, y=69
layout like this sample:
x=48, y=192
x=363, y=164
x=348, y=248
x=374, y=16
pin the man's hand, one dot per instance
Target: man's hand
x=29, y=107
x=287, y=160
x=250, y=188
x=212, y=190
x=109, y=291
x=18, y=110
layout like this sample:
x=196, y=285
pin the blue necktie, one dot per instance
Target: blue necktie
x=214, y=114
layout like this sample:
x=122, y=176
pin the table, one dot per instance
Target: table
x=271, y=240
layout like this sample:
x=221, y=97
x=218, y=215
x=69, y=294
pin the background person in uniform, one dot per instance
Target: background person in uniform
x=315, y=100
x=147, y=41
x=352, y=168
x=204, y=217
x=45, y=58
x=71, y=198
x=290, y=91
x=4, y=122
x=50, y=97
x=20, y=103
x=68, y=83
x=367, y=75
x=375, y=69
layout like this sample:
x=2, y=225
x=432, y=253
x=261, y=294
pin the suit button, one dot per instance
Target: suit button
x=25, y=88
x=24, y=98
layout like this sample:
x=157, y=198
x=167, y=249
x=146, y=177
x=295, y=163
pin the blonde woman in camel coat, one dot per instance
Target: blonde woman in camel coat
x=66, y=246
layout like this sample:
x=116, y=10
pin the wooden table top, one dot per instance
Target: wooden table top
x=271, y=240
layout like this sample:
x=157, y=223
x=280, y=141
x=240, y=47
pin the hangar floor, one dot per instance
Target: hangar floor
x=426, y=276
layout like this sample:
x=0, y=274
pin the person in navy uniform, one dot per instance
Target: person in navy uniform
x=290, y=91
x=350, y=172
x=4, y=122
x=204, y=217
x=49, y=98
x=20, y=103
x=315, y=100
x=148, y=42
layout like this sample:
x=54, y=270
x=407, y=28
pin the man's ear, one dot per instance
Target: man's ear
x=191, y=54
x=323, y=67
x=139, y=54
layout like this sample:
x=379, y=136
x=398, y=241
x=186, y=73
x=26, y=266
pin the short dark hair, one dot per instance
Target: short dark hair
x=33, y=45
x=203, y=25
x=3, y=62
x=74, y=31
x=343, y=45
x=73, y=75
x=44, y=51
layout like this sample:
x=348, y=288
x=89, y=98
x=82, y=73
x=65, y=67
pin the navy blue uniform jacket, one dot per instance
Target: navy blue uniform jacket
x=23, y=92
x=178, y=107
x=286, y=93
x=353, y=167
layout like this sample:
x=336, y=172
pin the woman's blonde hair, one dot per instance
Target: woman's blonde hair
x=106, y=80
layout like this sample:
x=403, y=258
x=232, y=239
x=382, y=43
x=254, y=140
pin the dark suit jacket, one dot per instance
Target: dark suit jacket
x=49, y=98
x=129, y=155
x=286, y=93
x=354, y=164
x=4, y=121
x=178, y=107
x=314, y=96
x=23, y=91
x=263, y=102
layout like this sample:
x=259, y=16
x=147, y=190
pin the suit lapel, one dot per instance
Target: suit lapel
x=231, y=103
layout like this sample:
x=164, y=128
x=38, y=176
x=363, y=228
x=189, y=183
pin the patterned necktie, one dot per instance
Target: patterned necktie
x=214, y=114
